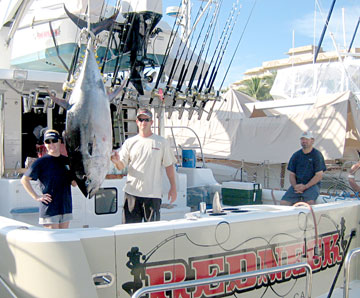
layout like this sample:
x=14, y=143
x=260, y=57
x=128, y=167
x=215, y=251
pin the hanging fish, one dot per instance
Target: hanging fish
x=88, y=130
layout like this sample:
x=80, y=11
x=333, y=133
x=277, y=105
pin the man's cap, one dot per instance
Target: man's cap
x=51, y=135
x=144, y=112
x=307, y=135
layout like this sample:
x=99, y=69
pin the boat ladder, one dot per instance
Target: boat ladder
x=227, y=278
x=347, y=262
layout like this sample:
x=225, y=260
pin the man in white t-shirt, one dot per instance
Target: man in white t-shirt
x=144, y=155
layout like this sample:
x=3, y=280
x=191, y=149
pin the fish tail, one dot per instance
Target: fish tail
x=95, y=28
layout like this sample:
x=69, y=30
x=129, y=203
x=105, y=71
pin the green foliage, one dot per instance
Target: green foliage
x=258, y=87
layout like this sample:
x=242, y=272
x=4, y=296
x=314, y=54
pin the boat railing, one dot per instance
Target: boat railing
x=227, y=278
x=347, y=262
x=7, y=288
x=188, y=147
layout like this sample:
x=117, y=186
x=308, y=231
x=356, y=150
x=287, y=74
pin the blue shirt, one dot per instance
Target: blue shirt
x=305, y=166
x=55, y=179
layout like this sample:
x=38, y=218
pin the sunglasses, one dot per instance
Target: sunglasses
x=144, y=119
x=51, y=141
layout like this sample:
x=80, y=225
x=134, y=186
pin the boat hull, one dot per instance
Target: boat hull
x=243, y=239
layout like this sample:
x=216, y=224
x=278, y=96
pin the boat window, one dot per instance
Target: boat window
x=106, y=201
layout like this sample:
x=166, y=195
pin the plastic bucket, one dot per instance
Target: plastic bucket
x=188, y=158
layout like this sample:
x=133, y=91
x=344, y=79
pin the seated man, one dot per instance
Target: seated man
x=306, y=168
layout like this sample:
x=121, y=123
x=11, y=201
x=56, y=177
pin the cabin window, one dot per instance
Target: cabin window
x=106, y=201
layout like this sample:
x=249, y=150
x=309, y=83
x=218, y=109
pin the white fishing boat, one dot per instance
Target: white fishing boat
x=251, y=246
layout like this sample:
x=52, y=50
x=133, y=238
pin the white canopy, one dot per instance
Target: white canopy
x=231, y=134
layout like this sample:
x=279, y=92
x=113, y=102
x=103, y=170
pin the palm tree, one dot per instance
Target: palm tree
x=258, y=87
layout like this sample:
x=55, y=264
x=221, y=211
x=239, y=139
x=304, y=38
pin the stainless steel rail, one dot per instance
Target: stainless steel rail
x=347, y=270
x=191, y=147
x=12, y=294
x=230, y=277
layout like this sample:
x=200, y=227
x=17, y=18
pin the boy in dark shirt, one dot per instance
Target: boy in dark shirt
x=52, y=170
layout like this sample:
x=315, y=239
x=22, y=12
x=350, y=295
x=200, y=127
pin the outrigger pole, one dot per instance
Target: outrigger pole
x=353, y=38
x=324, y=30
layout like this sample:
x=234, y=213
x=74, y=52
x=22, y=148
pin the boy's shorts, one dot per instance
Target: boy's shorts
x=56, y=219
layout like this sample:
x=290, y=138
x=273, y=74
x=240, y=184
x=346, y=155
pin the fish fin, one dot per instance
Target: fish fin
x=82, y=187
x=60, y=101
x=117, y=91
x=77, y=21
x=94, y=27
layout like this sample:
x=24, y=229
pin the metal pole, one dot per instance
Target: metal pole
x=352, y=253
x=352, y=40
x=226, y=278
x=324, y=30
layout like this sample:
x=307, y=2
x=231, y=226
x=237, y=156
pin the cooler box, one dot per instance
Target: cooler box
x=241, y=193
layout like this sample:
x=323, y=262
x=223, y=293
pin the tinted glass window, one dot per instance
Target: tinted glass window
x=106, y=201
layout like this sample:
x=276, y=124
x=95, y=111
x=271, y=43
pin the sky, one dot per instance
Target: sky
x=275, y=26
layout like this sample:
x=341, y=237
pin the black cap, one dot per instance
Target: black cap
x=51, y=135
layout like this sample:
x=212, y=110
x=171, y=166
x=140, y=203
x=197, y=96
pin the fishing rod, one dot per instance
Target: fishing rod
x=211, y=82
x=183, y=76
x=196, y=66
x=208, y=50
x=181, y=73
x=353, y=38
x=174, y=68
x=237, y=46
x=220, y=56
x=185, y=69
x=122, y=45
x=177, y=60
x=169, y=46
x=198, y=17
x=324, y=30
x=222, y=38
x=227, y=70
x=211, y=25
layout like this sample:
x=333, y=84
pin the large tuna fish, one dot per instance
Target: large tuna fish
x=88, y=127
x=88, y=135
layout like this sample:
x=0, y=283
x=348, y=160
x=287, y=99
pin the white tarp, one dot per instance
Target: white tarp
x=215, y=135
x=334, y=120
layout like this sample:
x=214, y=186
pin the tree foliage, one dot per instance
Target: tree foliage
x=258, y=87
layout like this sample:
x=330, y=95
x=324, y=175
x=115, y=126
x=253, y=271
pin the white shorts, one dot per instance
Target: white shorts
x=56, y=219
